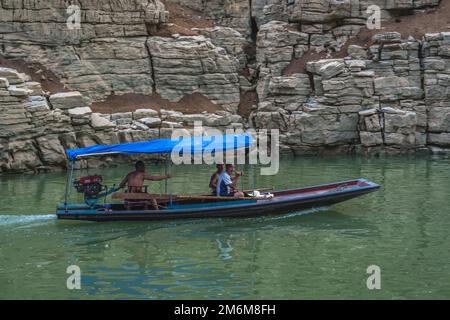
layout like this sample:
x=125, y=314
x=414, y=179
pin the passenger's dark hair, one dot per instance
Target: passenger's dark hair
x=139, y=164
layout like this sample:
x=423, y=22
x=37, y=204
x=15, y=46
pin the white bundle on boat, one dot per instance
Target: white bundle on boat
x=258, y=195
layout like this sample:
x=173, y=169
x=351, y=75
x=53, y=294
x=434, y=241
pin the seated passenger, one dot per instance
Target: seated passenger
x=215, y=178
x=135, y=180
x=226, y=186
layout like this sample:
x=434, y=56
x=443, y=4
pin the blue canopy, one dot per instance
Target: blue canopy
x=194, y=144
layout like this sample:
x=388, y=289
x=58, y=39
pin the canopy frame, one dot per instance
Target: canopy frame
x=217, y=143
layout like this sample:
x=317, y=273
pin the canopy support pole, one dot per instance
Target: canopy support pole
x=242, y=178
x=168, y=189
x=252, y=166
x=166, y=169
x=69, y=179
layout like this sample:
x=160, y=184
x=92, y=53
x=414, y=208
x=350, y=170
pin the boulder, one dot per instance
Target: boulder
x=393, y=88
x=35, y=88
x=370, y=139
x=357, y=52
x=388, y=37
x=189, y=119
x=81, y=112
x=144, y=113
x=124, y=123
x=331, y=69
x=169, y=115
x=400, y=140
x=297, y=84
x=26, y=156
x=98, y=122
x=18, y=92
x=122, y=115
x=13, y=76
x=151, y=122
x=67, y=100
x=372, y=123
x=4, y=83
x=52, y=151
x=439, y=139
x=439, y=119
x=400, y=122
x=170, y=124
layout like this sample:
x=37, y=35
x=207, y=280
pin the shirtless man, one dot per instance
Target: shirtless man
x=135, y=180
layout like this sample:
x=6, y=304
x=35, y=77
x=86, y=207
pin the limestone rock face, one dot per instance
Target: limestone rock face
x=288, y=93
x=376, y=102
x=277, y=44
x=104, y=66
x=396, y=88
x=393, y=95
x=331, y=69
x=98, y=122
x=12, y=75
x=67, y=100
x=144, y=113
x=231, y=40
x=97, y=19
x=185, y=65
x=53, y=152
x=4, y=83
x=80, y=112
x=36, y=130
x=105, y=54
x=151, y=122
x=231, y=13
x=439, y=139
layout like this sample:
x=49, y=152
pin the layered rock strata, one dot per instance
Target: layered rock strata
x=36, y=129
x=393, y=97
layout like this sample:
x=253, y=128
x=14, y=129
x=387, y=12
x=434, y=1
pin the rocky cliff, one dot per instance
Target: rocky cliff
x=36, y=130
x=292, y=65
x=113, y=53
x=391, y=97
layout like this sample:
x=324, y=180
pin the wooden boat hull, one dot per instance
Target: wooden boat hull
x=283, y=202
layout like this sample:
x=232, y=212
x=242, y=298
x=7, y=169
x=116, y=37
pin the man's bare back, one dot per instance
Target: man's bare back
x=135, y=180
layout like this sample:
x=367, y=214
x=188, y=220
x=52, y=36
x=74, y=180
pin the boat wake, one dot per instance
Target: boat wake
x=13, y=220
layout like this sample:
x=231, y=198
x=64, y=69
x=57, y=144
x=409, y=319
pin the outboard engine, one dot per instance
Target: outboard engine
x=90, y=187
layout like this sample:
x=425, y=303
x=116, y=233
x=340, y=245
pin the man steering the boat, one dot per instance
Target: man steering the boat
x=135, y=180
x=227, y=186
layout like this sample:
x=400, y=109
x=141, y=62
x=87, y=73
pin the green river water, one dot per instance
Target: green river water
x=404, y=229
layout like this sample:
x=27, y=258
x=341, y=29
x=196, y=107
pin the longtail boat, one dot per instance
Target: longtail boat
x=139, y=206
